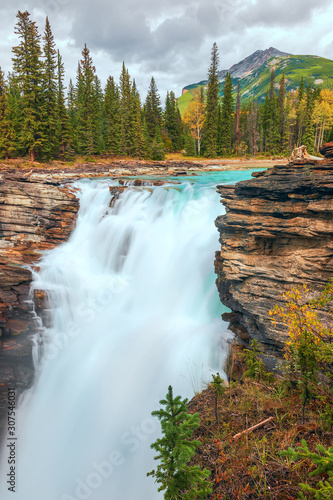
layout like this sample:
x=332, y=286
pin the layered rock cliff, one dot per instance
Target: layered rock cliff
x=36, y=213
x=277, y=232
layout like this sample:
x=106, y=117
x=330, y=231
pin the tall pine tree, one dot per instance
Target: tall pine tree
x=6, y=130
x=28, y=71
x=98, y=117
x=14, y=115
x=113, y=119
x=172, y=121
x=86, y=104
x=226, y=118
x=63, y=124
x=300, y=114
x=139, y=145
x=126, y=108
x=153, y=111
x=237, y=119
x=211, y=109
x=72, y=115
x=175, y=448
x=309, y=132
x=49, y=90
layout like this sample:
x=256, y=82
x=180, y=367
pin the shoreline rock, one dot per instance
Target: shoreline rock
x=277, y=233
x=35, y=214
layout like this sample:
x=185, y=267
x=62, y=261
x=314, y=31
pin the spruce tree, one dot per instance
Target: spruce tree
x=172, y=121
x=14, y=117
x=27, y=66
x=180, y=128
x=219, y=130
x=6, y=131
x=49, y=90
x=98, y=117
x=226, y=118
x=72, y=116
x=237, y=119
x=63, y=124
x=153, y=111
x=189, y=145
x=300, y=114
x=301, y=89
x=175, y=448
x=86, y=104
x=126, y=111
x=254, y=124
x=309, y=132
x=139, y=145
x=211, y=109
x=112, y=115
x=157, y=151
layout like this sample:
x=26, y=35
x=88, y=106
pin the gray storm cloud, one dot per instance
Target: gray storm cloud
x=172, y=39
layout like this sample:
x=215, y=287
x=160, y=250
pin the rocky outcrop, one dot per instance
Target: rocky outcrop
x=277, y=232
x=252, y=63
x=36, y=213
x=327, y=150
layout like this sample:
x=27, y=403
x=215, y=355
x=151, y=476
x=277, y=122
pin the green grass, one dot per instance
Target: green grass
x=184, y=101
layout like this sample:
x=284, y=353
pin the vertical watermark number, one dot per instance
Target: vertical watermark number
x=11, y=440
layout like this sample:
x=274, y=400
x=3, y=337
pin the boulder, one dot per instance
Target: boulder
x=327, y=150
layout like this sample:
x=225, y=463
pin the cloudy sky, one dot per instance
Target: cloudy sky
x=171, y=40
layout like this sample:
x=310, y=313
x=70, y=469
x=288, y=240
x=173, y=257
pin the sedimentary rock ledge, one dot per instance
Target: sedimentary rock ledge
x=277, y=232
x=36, y=213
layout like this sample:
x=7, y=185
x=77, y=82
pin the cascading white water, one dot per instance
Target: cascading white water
x=134, y=308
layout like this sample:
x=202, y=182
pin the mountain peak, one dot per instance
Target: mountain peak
x=252, y=62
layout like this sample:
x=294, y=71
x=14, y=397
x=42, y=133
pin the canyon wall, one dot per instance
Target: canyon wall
x=277, y=232
x=36, y=213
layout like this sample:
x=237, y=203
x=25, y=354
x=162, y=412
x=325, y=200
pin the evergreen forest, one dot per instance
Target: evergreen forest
x=43, y=119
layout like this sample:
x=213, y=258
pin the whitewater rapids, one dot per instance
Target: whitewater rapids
x=133, y=308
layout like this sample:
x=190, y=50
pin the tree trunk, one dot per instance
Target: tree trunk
x=198, y=137
x=255, y=132
x=237, y=132
x=32, y=155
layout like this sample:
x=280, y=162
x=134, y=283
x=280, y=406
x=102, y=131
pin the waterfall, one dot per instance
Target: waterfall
x=133, y=308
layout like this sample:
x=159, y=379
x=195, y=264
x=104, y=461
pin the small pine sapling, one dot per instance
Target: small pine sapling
x=324, y=462
x=219, y=390
x=175, y=448
x=255, y=365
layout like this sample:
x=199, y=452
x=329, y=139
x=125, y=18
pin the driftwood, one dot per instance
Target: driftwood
x=250, y=429
x=302, y=154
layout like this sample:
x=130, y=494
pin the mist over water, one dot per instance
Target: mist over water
x=133, y=308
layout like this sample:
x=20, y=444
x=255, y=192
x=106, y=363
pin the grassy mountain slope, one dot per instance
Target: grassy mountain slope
x=315, y=70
